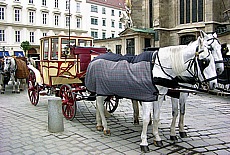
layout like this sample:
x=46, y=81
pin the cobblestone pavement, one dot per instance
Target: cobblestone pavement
x=23, y=129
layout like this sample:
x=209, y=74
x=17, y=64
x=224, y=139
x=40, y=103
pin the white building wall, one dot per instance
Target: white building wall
x=9, y=25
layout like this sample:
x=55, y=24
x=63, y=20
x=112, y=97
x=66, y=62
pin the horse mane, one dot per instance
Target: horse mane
x=177, y=59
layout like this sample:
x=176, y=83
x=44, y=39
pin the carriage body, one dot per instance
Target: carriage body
x=57, y=67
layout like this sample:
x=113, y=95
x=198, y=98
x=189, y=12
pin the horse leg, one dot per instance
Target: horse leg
x=101, y=114
x=182, y=101
x=174, y=115
x=22, y=84
x=18, y=86
x=135, y=111
x=146, y=109
x=156, y=118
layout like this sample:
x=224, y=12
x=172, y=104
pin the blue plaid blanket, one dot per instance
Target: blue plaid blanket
x=128, y=77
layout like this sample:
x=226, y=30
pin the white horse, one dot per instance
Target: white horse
x=170, y=62
x=9, y=70
x=213, y=44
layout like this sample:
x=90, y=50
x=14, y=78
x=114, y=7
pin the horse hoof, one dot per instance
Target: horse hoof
x=144, y=149
x=99, y=128
x=18, y=92
x=13, y=92
x=173, y=138
x=21, y=90
x=158, y=143
x=136, y=122
x=2, y=92
x=183, y=134
x=107, y=132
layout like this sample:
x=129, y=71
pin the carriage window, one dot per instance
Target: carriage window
x=54, y=48
x=45, y=49
x=64, y=44
x=84, y=43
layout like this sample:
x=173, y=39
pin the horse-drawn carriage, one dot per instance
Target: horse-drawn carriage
x=62, y=68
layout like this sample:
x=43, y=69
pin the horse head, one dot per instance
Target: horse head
x=205, y=63
x=9, y=64
x=214, y=45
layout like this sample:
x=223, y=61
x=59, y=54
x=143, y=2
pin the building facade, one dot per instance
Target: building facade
x=174, y=22
x=29, y=20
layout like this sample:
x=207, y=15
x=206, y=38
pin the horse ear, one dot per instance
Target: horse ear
x=215, y=35
x=203, y=34
x=200, y=42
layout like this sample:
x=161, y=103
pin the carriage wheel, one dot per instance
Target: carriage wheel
x=33, y=88
x=111, y=103
x=68, y=102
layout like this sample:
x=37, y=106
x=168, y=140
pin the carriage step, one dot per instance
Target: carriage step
x=43, y=93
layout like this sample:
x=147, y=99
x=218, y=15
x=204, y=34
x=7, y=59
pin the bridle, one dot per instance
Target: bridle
x=210, y=47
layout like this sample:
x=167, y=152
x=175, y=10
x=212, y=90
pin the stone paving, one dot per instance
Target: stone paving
x=23, y=129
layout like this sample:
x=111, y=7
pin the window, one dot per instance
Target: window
x=31, y=2
x=94, y=8
x=45, y=49
x=54, y=48
x=191, y=11
x=119, y=13
x=103, y=11
x=44, y=34
x=17, y=0
x=2, y=13
x=120, y=25
x=78, y=24
x=118, y=49
x=65, y=44
x=44, y=18
x=112, y=23
x=2, y=35
x=32, y=37
x=103, y=22
x=94, y=21
x=17, y=15
x=78, y=7
x=112, y=13
x=94, y=34
x=185, y=40
x=67, y=4
x=130, y=46
x=17, y=36
x=56, y=3
x=113, y=35
x=44, y=2
x=56, y=17
x=103, y=35
x=67, y=21
x=31, y=16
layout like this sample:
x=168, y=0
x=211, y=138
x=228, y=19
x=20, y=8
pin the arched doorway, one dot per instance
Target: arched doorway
x=33, y=53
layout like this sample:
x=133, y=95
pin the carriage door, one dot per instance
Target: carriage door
x=185, y=40
x=130, y=46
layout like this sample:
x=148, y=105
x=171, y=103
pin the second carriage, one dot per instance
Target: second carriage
x=61, y=71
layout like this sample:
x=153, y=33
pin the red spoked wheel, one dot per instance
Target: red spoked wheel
x=68, y=102
x=33, y=88
x=111, y=103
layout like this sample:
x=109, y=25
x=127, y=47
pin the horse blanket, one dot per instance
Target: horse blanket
x=22, y=71
x=123, y=76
